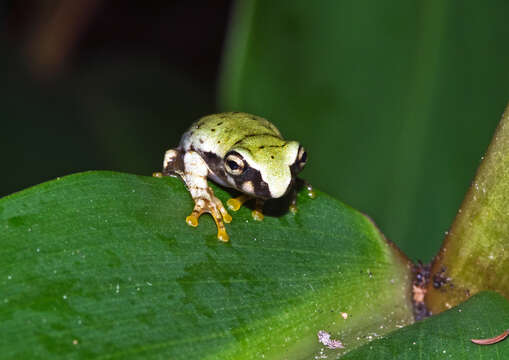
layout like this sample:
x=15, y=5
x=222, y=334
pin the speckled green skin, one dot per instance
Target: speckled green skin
x=221, y=132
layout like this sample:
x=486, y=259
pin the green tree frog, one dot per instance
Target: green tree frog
x=237, y=150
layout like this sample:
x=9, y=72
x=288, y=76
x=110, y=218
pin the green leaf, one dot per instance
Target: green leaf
x=102, y=264
x=475, y=254
x=395, y=101
x=447, y=335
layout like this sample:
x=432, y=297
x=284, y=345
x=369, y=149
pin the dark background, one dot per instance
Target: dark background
x=114, y=97
x=396, y=101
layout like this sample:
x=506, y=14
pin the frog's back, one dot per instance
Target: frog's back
x=220, y=132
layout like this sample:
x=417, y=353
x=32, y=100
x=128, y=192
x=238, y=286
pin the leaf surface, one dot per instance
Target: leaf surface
x=475, y=254
x=102, y=264
x=447, y=335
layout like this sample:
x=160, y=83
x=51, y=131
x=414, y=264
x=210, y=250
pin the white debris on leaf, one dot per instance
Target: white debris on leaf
x=324, y=338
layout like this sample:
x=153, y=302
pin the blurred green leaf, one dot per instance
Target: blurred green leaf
x=102, y=264
x=447, y=335
x=395, y=101
x=475, y=254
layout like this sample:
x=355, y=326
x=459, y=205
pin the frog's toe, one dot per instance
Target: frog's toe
x=227, y=218
x=257, y=215
x=224, y=213
x=219, y=219
x=192, y=220
x=221, y=230
x=234, y=204
x=293, y=208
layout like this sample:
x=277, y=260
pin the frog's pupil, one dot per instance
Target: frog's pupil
x=233, y=165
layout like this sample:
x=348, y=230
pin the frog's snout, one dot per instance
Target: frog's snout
x=279, y=189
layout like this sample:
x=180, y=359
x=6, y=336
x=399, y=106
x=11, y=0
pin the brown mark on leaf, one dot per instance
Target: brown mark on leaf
x=492, y=340
x=422, y=276
x=439, y=278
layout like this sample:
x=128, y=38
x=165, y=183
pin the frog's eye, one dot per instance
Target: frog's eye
x=302, y=157
x=234, y=164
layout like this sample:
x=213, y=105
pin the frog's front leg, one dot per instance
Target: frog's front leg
x=194, y=171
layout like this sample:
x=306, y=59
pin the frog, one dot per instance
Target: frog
x=236, y=150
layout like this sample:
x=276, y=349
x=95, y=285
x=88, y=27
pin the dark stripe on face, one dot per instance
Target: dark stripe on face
x=261, y=189
x=215, y=163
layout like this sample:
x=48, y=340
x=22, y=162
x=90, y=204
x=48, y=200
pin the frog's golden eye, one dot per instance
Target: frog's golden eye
x=302, y=157
x=234, y=164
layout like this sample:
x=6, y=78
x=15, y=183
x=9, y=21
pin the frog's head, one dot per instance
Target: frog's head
x=264, y=166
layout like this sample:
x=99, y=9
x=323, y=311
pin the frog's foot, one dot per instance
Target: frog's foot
x=257, y=213
x=214, y=207
x=157, y=174
x=234, y=204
